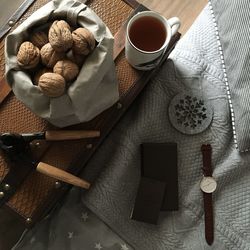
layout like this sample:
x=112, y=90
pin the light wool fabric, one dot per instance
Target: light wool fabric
x=73, y=227
x=195, y=65
x=233, y=22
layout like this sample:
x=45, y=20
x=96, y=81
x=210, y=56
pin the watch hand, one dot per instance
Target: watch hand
x=207, y=185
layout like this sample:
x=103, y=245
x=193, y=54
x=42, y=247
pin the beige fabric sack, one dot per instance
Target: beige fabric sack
x=96, y=87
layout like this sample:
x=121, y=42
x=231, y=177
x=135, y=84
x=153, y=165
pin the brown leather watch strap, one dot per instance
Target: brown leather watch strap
x=207, y=197
x=209, y=221
x=206, y=150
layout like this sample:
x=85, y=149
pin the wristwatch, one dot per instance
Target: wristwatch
x=208, y=186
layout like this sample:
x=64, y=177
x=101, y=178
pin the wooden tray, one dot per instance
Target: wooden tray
x=38, y=194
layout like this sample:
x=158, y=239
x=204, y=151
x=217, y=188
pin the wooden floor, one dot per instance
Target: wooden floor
x=186, y=10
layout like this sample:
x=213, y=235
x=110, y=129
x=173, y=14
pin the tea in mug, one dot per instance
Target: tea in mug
x=147, y=33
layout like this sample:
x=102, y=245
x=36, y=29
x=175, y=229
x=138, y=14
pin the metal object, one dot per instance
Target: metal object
x=119, y=105
x=58, y=184
x=208, y=184
x=89, y=146
x=28, y=220
x=17, y=150
x=6, y=187
x=11, y=23
x=17, y=13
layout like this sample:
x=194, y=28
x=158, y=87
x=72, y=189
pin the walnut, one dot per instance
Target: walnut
x=83, y=41
x=52, y=84
x=49, y=56
x=39, y=39
x=67, y=69
x=76, y=58
x=39, y=73
x=60, y=36
x=28, y=55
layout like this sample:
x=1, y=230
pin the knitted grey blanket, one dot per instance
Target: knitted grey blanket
x=195, y=65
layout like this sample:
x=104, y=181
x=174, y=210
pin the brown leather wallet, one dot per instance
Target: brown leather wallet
x=208, y=186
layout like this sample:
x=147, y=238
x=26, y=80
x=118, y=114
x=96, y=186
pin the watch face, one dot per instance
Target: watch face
x=208, y=184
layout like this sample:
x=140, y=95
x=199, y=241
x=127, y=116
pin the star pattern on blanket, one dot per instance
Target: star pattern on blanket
x=84, y=216
x=124, y=247
x=70, y=235
x=32, y=240
x=98, y=246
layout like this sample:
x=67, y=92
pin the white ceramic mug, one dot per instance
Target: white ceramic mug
x=147, y=37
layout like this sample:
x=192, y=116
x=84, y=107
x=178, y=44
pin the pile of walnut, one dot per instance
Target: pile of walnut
x=61, y=54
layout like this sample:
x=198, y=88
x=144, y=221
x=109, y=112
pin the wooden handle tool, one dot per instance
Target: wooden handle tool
x=61, y=175
x=61, y=135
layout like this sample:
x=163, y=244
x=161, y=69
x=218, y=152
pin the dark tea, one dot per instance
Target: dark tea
x=147, y=33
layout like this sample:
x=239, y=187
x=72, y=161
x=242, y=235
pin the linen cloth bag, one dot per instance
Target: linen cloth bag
x=96, y=87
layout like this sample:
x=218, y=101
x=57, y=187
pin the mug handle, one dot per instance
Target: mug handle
x=175, y=24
